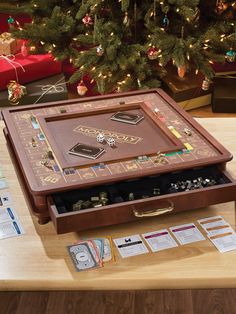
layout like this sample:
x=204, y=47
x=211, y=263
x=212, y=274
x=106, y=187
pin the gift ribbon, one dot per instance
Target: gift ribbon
x=11, y=60
x=57, y=87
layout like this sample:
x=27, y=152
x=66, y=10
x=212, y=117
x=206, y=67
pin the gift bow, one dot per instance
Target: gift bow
x=57, y=87
x=11, y=60
x=5, y=36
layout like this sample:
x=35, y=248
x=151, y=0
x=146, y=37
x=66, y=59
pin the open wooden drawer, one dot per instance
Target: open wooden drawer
x=66, y=220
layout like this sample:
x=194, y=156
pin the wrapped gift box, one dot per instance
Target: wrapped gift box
x=27, y=69
x=8, y=45
x=186, y=91
x=49, y=89
x=224, y=94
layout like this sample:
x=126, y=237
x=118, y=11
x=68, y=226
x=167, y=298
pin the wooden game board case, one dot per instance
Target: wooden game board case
x=42, y=197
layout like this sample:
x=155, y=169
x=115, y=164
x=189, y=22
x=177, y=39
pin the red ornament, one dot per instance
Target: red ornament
x=152, y=53
x=87, y=20
x=81, y=88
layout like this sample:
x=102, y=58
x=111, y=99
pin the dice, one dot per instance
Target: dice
x=100, y=138
x=111, y=141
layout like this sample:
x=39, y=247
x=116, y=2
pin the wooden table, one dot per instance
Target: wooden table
x=38, y=260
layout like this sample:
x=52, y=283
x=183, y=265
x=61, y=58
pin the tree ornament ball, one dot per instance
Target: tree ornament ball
x=206, y=83
x=87, y=20
x=221, y=6
x=100, y=51
x=152, y=53
x=166, y=21
x=81, y=88
x=181, y=71
x=230, y=55
x=10, y=20
x=126, y=20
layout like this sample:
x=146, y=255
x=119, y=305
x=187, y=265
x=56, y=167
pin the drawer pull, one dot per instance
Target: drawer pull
x=155, y=212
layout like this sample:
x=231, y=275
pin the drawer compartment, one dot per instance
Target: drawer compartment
x=150, y=196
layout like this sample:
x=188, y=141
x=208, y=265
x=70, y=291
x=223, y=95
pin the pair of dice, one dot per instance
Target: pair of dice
x=110, y=140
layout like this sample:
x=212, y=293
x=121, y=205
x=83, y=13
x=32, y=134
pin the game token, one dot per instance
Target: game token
x=94, y=199
x=87, y=204
x=62, y=110
x=131, y=196
x=77, y=205
x=156, y=191
x=187, y=131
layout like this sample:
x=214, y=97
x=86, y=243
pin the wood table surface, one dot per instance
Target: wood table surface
x=38, y=260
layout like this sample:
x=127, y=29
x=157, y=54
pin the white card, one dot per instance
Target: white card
x=187, y=233
x=130, y=246
x=211, y=222
x=7, y=214
x=224, y=242
x=219, y=230
x=159, y=240
x=10, y=229
x=3, y=184
x=5, y=199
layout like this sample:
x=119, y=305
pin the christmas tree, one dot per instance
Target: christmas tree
x=126, y=44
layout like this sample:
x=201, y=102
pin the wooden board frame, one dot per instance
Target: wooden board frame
x=40, y=192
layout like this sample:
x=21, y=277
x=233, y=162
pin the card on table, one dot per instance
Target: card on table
x=224, y=242
x=10, y=229
x=5, y=199
x=7, y=214
x=3, y=184
x=159, y=240
x=187, y=233
x=87, y=151
x=130, y=246
x=82, y=256
x=215, y=225
x=108, y=250
x=127, y=117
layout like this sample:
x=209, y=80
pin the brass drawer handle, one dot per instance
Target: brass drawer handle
x=155, y=212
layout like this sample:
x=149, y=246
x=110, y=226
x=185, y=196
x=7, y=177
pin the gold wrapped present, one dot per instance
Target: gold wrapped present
x=8, y=45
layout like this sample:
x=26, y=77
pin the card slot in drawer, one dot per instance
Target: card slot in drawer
x=133, y=210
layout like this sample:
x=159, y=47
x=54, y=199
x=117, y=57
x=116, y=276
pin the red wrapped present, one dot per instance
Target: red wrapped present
x=27, y=69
